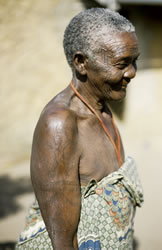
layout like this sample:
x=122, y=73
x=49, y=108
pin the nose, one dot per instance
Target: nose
x=130, y=71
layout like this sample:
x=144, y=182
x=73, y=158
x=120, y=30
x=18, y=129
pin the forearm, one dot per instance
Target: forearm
x=61, y=213
x=61, y=241
x=63, y=234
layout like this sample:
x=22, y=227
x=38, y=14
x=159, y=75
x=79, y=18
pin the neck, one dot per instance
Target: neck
x=89, y=94
x=117, y=148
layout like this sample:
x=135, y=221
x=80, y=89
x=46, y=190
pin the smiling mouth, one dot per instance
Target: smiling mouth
x=120, y=86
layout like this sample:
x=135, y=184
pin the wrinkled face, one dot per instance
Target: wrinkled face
x=114, y=65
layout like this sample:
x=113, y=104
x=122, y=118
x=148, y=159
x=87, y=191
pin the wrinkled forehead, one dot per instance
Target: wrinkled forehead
x=119, y=43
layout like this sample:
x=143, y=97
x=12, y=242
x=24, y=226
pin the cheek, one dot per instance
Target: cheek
x=114, y=76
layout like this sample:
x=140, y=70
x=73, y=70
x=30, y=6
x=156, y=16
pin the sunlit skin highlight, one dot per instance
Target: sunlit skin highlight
x=70, y=146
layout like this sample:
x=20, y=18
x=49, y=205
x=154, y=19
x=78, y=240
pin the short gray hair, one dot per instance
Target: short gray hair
x=85, y=29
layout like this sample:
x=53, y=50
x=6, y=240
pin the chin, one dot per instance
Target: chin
x=117, y=96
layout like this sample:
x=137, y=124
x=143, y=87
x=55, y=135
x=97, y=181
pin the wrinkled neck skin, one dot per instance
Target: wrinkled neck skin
x=89, y=93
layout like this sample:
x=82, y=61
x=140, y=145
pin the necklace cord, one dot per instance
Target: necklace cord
x=117, y=148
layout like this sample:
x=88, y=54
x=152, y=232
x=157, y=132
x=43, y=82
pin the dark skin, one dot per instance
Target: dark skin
x=70, y=147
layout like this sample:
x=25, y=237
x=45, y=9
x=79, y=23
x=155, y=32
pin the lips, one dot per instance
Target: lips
x=120, y=86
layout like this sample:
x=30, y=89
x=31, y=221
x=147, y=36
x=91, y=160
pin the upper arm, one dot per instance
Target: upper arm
x=55, y=148
x=55, y=173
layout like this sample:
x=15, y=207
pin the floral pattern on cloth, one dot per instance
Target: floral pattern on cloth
x=108, y=208
x=34, y=224
x=107, y=213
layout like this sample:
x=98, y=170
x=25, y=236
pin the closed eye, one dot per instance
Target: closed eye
x=125, y=62
x=122, y=65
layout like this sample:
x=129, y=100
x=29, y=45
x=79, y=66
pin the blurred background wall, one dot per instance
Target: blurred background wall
x=34, y=69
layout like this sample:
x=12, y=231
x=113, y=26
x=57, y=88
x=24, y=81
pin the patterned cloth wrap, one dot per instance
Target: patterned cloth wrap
x=107, y=213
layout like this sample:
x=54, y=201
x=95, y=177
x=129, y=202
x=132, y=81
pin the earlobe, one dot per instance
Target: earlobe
x=79, y=63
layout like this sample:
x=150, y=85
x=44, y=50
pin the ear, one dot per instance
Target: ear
x=79, y=62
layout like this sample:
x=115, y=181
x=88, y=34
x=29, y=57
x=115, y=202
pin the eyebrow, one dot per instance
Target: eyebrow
x=129, y=57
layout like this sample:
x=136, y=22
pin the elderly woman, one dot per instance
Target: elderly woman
x=86, y=190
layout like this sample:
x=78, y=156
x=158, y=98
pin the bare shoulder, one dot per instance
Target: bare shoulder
x=56, y=120
x=55, y=141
